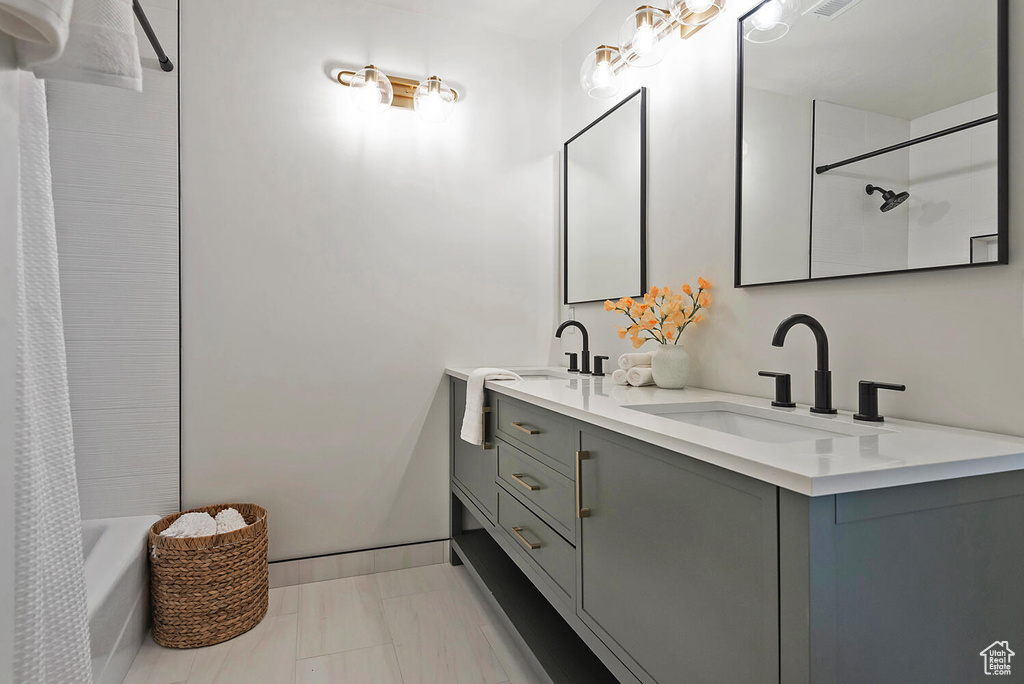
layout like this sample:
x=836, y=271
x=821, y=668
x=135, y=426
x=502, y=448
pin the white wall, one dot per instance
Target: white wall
x=850, y=233
x=962, y=367
x=8, y=226
x=954, y=184
x=114, y=159
x=333, y=264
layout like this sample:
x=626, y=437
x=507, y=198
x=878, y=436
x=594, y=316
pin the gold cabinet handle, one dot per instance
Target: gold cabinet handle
x=580, y=511
x=518, y=531
x=527, y=430
x=483, y=427
x=518, y=477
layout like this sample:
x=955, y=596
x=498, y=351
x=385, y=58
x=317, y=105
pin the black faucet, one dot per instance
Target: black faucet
x=585, y=354
x=822, y=375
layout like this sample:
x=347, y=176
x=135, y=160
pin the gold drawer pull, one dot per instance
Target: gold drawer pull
x=580, y=511
x=518, y=477
x=518, y=531
x=527, y=430
x=483, y=428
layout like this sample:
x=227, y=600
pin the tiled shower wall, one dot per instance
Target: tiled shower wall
x=114, y=157
x=954, y=181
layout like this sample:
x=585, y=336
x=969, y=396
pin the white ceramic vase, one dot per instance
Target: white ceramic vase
x=671, y=366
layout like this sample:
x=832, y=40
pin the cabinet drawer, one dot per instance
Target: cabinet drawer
x=539, y=430
x=546, y=491
x=550, y=553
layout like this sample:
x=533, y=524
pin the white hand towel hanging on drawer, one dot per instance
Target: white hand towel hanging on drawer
x=472, y=421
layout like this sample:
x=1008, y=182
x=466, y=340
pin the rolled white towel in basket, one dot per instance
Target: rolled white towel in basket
x=619, y=377
x=640, y=376
x=627, y=361
x=229, y=520
x=192, y=525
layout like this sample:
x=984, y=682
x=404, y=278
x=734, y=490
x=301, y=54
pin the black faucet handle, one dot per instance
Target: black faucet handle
x=868, y=410
x=573, y=367
x=783, y=388
x=599, y=365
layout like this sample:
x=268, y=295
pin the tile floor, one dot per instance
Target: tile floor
x=420, y=625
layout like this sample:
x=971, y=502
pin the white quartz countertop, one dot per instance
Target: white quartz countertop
x=896, y=452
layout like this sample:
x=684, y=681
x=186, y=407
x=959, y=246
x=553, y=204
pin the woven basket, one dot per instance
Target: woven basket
x=206, y=590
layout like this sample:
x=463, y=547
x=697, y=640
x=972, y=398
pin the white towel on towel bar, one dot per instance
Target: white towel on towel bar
x=472, y=420
x=39, y=28
x=102, y=47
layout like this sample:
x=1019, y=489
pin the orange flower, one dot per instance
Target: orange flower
x=608, y=305
x=686, y=289
x=704, y=300
x=638, y=342
x=655, y=291
x=627, y=302
x=698, y=319
x=704, y=285
x=622, y=332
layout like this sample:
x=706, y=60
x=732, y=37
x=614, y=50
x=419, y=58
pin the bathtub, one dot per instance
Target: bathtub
x=117, y=588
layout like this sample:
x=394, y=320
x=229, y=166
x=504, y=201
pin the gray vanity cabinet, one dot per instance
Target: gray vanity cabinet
x=474, y=467
x=678, y=563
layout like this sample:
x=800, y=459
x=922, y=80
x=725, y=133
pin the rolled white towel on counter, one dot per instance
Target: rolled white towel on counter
x=627, y=361
x=192, y=525
x=229, y=520
x=619, y=376
x=640, y=376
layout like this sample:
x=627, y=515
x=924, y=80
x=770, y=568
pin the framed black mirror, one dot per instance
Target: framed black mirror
x=872, y=137
x=605, y=205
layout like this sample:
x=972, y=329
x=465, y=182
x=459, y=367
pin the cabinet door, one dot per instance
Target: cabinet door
x=678, y=564
x=473, y=467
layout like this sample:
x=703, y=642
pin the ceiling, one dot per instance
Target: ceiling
x=903, y=58
x=544, y=20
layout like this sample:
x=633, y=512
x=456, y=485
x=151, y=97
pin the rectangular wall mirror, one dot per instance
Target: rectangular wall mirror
x=872, y=138
x=605, y=205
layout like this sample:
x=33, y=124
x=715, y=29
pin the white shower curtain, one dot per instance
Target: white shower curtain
x=51, y=614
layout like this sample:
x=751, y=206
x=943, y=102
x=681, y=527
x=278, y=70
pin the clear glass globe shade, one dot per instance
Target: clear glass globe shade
x=772, y=21
x=597, y=75
x=371, y=90
x=640, y=37
x=695, y=12
x=433, y=100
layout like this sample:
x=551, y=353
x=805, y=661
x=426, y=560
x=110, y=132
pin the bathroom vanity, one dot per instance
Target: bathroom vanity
x=649, y=535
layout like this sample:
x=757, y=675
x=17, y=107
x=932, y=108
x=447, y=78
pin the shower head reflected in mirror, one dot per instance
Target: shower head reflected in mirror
x=890, y=199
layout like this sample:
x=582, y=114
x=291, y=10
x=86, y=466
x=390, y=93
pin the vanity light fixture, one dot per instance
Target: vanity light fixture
x=434, y=100
x=598, y=74
x=371, y=90
x=641, y=42
x=772, y=21
x=374, y=91
x=640, y=36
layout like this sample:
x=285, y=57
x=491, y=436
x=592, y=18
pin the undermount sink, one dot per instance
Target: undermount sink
x=756, y=423
x=543, y=374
